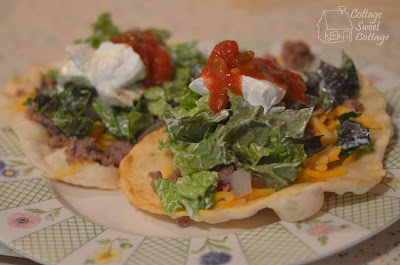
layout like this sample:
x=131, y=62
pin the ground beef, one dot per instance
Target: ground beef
x=113, y=154
x=81, y=149
x=257, y=182
x=183, y=221
x=154, y=175
x=85, y=149
x=296, y=55
x=175, y=175
x=353, y=104
x=57, y=137
x=223, y=172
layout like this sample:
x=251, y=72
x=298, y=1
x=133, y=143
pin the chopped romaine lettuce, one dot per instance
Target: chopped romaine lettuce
x=103, y=30
x=242, y=135
x=161, y=34
x=194, y=192
x=187, y=55
x=107, y=116
x=138, y=123
x=67, y=108
x=340, y=84
x=156, y=101
x=168, y=194
x=192, y=124
x=125, y=123
x=351, y=135
x=313, y=145
x=201, y=156
x=278, y=175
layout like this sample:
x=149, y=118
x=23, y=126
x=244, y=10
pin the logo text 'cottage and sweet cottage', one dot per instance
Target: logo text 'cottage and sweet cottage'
x=336, y=26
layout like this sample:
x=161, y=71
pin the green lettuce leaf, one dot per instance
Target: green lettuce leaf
x=168, y=194
x=161, y=34
x=67, y=108
x=278, y=175
x=122, y=122
x=243, y=135
x=192, y=124
x=291, y=122
x=156, y=100
x=188, y=55
x=351, y=135
x=103, y=30
x=194, y=192
x=339, y=83
x=107, y=116
x=138, y=123
x=204, y=155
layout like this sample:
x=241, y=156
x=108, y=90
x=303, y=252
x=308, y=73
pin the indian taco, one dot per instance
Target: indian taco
x=250, y=135
x=78, y=120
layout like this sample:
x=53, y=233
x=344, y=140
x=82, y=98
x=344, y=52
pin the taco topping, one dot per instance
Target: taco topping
x=229, y=69
x=155, y=57
x=296, y=55
x=112, y=91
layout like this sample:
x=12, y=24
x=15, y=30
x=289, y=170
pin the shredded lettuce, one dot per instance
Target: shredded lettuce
x=201, y=156
x=187, y=55
x=123, y=122
x=67, y=108
x=161, y=34
x=194, y=192
x=242, y=135
x=351, y=135
x=176, y=91
x=339, y=83
x=268, y=145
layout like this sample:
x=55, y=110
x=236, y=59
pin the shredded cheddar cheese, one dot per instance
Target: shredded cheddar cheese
x=168, y=169
x=226, y=199
x=104, y=141
x=325, y=125
x=321, y=129
x=259, y=193
x=19, y=102
x=340, y=171
x=224, y=195
x=320, y=161
x=367, y=122
x=67, y=171
x=350, y=159
x=97, y=130
x=231, y=203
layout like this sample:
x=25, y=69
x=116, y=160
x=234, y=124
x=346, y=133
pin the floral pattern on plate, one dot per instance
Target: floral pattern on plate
x=32, y=217
x=109, y=253
x=321, y=229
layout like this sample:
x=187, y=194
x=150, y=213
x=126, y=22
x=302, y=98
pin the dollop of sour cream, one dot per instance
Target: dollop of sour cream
x=112, y=69
x=257, y=92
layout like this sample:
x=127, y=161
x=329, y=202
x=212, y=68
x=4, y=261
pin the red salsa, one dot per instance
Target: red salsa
x=225, y=66
x=155, y=57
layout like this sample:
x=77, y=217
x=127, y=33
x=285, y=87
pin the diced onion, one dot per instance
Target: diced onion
x=240, y=181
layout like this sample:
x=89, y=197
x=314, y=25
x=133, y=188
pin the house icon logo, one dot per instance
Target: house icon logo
x=335, y=26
